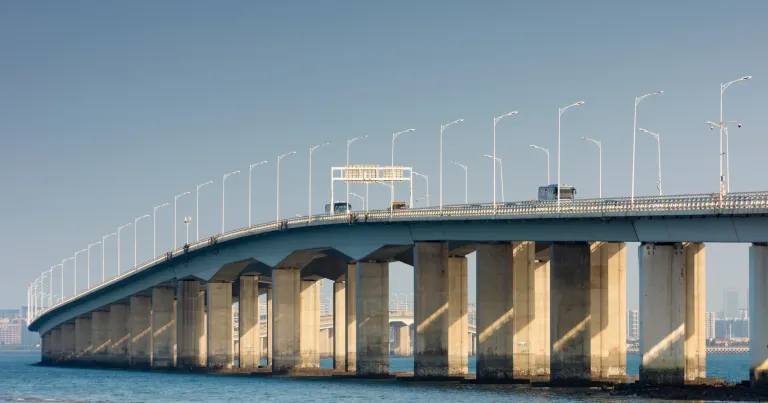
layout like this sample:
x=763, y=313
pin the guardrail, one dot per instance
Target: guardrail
x=693, y=204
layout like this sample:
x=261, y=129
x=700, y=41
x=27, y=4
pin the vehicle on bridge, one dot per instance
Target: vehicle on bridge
x=338, y=208
x=399, y=205
x=549, y=192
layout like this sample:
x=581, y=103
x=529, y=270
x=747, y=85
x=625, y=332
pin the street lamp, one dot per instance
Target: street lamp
x=349, y=142
x=103, y=241
x=495, y=121
x=50, y=286
x=187, y=220
x=175, y=198
x=62, y=276
x=154, y=229
x=723, y=87
x=658, y=144
x=426, y=178
x=197, y=208
x=120, y=228
x=392, y=167
x=546, y=150
x=634, y=136
x=313, y=148
x=74, y=283
x=559, y=115
x=223, y=187
x=466, y=175
x=501, y=170
x=362, y=200
x=724, y=129
x=250, y=168
x=442, y=128
x=89, y=261
x=600, y=150
x=135, y=230
x=277, y=203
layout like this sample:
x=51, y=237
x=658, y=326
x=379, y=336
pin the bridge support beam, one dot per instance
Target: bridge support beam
x=608, y=307
x=55, y=344
x=67, y=341
x=672, y=298
x=402, y=340
x=190, y=325
x=339, y=325
x=569, y=315
x=141, y=332
x=219, y=324
x=350, y=320
x=758, y=327
x=270, y=323
x=100, y=338
x=83, y=344
x=250, y=332
x=119, y=335
x=45, y=347
x=286, y=319
x=372, y=318
x=163, y=327
x=309, y=325
x=530, y=316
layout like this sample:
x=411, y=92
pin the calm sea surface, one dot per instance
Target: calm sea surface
x=21, y=381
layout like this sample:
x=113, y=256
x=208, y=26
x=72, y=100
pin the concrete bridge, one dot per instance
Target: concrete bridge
x=550, y=291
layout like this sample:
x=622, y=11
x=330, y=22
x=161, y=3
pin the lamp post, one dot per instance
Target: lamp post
x=311, y=149
x=501, y=170
x=600, y=151
x=197, y=208
x=392, y=167
x=250, y=168
x=154, y=229
x=103, y=241
x=277, y=202
x=559, y=115
x=547, y=152
x=426, y=178
x=362, y=200
x=223, y=187
x=466, y=176
x=118, y=246
x=89, y=261
x=495, y=121
x=724, y=129
x=135, y=230
x=175, y=199
x=634, y=136
x=50, y=286
x=74, y=283
x=62, y=276
x=658, y=144
x=724, y=87
x=349, y=142
x=187, y=220
x=442, y=128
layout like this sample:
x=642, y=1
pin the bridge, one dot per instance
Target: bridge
x=550, y=291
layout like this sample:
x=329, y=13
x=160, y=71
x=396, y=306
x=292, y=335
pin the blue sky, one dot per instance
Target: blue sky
x=108, y=109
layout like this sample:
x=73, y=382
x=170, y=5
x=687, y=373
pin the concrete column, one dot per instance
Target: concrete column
x=530, y=319
x=269, y=326
x=119, y=335
x=339, y=325
x=309, y=324
x=494, y=319
x=190, y=324
x=250, y=332
x=100, y=337
x=569, y=315
x=67, y=341
x=350, y=359
x=45, y=347
x=372, y=318
x=672, y=339
x=163, y=327
x=286, y=319
x=55, y=344
x=402, y=341
x=83, y=344
x=140, y=346
x=458, y=317
x=608, y=307
x=219, y=324
x=758, y=317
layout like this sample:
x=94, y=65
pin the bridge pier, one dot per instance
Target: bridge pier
x=250, y=332
x=119, y=335
x=270, y=324
x=140, y=346
x=339, y=325
x=67, y=341
x=309, y=325
x=286, y=314
x=99, y=337
x=672, y=302
x=163, y=327
x=55, y=344
x=758, y=327
x=83, y=344
x=372, y=318
x=45, y=347
x=608, y=306
x=219, y=324
x=530, y=319
x=350, y=328
x=190, y=325
x=402, y=340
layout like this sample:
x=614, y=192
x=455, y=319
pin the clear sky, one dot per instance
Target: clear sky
x=108, y=109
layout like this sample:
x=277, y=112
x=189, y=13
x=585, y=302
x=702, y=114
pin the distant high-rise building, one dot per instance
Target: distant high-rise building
x=730, y=303
x=732, y=328
x=743, y=313
x=633, y=324
x=10, y=331
x=709, y=325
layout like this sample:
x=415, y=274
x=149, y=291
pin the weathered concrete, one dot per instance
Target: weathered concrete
x=570, y=312
x=530, y=319
x=163, y=327
x=119, y=335
x=190, y=324
x=309, y=325
x=758, y=317
x=219, y=324
x=83, y=344
x=671, y=295
x=269, y=324
x=339, y=325
x=140, y=347
x=402, y=340
x=100, y=337
x=458, y=317
x=608, y=301
x=55, y=344
x=45, y=347
x=372, y=318
x=286, y=306
x=67, y=341
x=350, y=359
x=249, y=337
